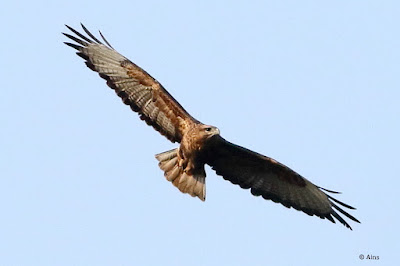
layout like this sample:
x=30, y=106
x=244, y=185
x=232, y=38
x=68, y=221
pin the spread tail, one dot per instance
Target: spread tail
x=193, y=184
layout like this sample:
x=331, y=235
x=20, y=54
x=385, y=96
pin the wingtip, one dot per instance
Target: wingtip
x=77, y=47
x=330, y=191
x=84, y=27
x=69, y=27
x=105, y=40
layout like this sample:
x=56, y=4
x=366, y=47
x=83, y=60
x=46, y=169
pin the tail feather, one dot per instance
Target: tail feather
x=199, y=188
x=193, y=185
x=168, y=166
x=166, y=156
x=173, y=174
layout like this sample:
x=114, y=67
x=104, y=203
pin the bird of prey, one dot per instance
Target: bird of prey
x=201, y=144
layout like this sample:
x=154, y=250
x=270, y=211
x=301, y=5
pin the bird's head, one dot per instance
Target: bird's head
x=209, y=131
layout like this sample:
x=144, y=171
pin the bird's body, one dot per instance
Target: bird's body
x=201, y=144
x=188, y=173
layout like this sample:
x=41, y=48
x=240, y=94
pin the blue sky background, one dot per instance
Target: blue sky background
x=313, y=85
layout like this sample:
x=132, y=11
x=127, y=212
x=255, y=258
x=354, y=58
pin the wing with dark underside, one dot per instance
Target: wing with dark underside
x=272, y=180
x=135, y=86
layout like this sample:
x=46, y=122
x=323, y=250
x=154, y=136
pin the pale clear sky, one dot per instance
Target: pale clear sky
x=313, y=85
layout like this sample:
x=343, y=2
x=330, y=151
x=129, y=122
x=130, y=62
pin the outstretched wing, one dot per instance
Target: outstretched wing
x=273, y=180
x=135, y=86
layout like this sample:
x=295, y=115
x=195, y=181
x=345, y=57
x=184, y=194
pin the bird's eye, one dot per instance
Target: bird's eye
x=208, y=129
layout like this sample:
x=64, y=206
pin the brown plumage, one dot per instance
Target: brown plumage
x=201, y=144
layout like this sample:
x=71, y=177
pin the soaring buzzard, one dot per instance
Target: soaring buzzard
x=201, y=144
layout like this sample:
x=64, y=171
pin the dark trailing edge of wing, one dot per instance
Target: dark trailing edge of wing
x=310, y=212
x=225, y=149
x=328, y=216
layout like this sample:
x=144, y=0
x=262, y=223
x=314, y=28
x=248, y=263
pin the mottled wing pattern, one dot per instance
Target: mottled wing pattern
x=272, y=180
x=135, y=86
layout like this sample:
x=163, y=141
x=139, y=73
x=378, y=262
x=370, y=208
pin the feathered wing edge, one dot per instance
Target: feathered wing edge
x=85, y=41
x=334, y=213
x=135, y=86
x=228, y=166
x=329, y=216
